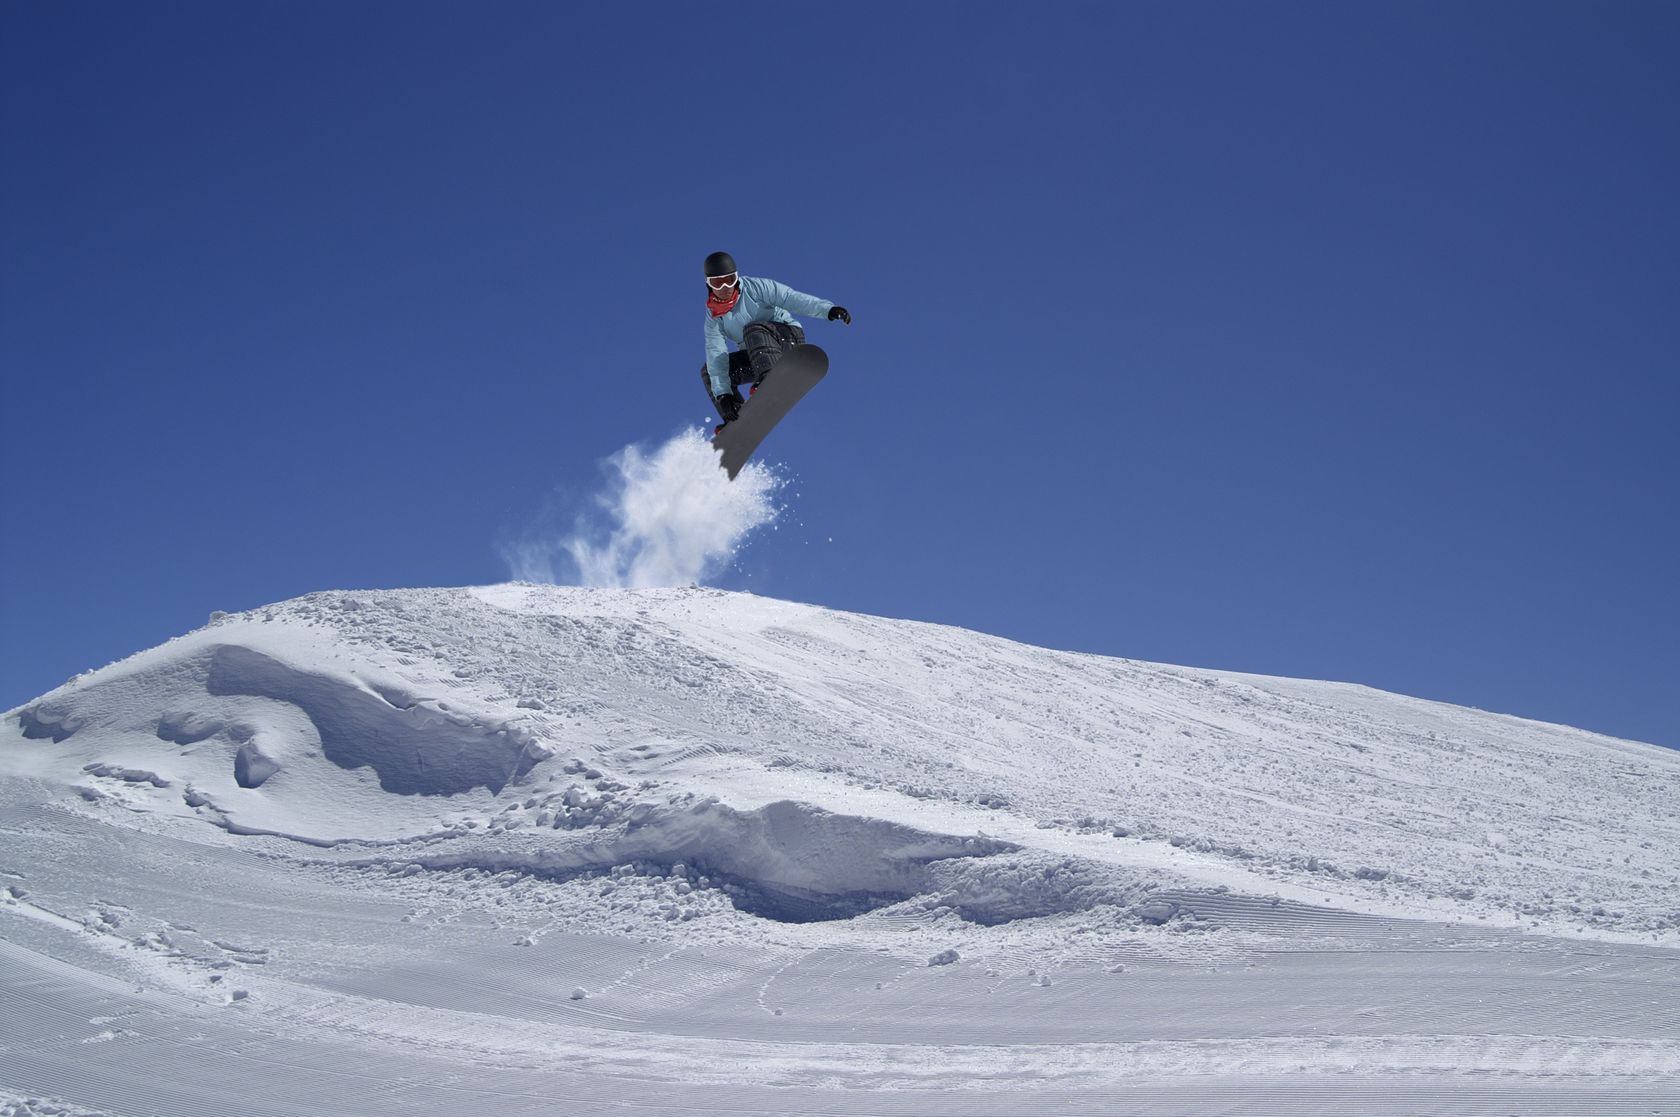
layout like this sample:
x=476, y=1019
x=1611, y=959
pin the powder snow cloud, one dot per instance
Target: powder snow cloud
x=666, y=516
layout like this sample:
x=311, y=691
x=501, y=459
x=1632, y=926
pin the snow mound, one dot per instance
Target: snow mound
x=237, y=709
x=705, y=753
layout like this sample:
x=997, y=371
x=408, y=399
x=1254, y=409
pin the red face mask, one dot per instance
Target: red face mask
x=722, y=293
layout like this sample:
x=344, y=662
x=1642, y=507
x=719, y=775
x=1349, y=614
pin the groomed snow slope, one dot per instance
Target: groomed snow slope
x=673, y=849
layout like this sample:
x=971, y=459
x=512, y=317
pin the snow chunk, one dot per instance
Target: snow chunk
x=43, y=720
x=251, y=766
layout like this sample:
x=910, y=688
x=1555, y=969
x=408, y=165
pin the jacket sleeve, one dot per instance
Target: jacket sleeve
x=717, y=357
x=796, y=302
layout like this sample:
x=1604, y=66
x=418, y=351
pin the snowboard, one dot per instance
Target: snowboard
x=795, y=374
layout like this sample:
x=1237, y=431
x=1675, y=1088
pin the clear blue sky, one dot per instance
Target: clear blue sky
x=1326, y=340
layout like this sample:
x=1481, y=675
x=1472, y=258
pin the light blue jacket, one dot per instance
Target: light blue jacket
x=762, y=300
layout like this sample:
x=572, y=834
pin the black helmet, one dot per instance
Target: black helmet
x=720, y=263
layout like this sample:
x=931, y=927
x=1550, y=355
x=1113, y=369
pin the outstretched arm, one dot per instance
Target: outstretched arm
x=780, y=294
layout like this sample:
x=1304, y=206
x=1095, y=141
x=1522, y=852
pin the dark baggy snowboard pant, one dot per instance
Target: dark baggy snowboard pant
x=762, y=345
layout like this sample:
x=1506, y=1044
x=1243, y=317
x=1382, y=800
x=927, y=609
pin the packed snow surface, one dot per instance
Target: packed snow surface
x=496, y=850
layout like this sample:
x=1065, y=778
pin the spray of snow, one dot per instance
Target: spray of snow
x=665, y=517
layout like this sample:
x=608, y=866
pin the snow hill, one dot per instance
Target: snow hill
x=516, y=824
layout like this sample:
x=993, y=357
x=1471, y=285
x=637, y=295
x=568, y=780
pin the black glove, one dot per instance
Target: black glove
x=728, y=406
x=841, y=313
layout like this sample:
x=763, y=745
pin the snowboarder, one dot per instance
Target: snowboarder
x=758, y=316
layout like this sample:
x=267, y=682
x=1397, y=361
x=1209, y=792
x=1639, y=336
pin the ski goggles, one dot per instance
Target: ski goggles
x=722, y=282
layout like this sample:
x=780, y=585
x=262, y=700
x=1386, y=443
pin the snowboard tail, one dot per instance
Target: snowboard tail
x=795, y=374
